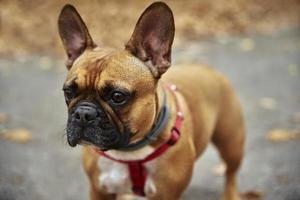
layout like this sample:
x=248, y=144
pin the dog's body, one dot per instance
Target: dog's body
x=215, y=115
x=210, y=108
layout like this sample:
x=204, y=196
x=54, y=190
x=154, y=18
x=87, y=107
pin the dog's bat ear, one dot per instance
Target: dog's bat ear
x=153, y=36
x=73, y=33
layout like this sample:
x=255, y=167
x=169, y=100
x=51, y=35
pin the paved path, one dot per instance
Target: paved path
x=264, y=70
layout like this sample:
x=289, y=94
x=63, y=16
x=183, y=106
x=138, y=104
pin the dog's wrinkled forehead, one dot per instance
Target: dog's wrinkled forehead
x=97, y=66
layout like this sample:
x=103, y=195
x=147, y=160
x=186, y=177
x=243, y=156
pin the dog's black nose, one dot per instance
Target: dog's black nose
x=85, y=114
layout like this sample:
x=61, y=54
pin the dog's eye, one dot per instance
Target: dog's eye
x=70, y=92
x=118, y=97
x=69, y=95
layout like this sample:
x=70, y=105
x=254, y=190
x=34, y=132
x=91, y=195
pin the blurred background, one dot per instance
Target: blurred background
x=256, y=44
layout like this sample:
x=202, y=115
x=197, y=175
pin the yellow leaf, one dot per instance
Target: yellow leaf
x=293, y=70
x=252, y=195
x=267, y=103
x=3, y=118
x=45, y=63
x=219, y=170
x=17, y=135
x=280, y=135
x=296, y=117
x=247, y=44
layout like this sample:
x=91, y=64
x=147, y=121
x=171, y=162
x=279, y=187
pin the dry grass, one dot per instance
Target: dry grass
x=28, y=26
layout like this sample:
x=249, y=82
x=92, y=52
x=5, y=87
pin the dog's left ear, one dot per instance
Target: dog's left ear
x=73, y=33
x=153, y=36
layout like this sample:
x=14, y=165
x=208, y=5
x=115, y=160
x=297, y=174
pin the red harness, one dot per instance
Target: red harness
x=137, y=170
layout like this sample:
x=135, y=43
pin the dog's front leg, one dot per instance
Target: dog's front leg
x=95, y=194
x=90, y=159
x=165, y=196
x=171, y=189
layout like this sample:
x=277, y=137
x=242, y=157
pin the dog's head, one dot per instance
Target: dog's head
x=111, y=94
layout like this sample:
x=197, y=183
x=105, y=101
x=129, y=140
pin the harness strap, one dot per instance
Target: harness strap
x=136, y=168
x=138, y=177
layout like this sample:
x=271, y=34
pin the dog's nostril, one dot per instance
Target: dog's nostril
x=98, y=114
x=88, y=117
x=77, y=116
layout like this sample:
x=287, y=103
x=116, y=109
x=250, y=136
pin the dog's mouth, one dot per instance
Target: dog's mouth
x=93, y=137
x=88, y=124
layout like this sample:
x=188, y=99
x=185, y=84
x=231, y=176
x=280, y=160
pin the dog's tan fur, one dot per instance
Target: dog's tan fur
x=211, y=110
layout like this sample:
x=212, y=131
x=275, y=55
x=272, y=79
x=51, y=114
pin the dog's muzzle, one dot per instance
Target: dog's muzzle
x=88, y=123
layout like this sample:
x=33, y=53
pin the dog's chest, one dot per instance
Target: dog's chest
x=115, y=178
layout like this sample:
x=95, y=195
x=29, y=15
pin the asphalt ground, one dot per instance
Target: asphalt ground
x=264, y=70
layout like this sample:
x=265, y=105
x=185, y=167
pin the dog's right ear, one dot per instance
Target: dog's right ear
x=73, y=33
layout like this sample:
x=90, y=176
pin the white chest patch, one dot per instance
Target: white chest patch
x=115, y=178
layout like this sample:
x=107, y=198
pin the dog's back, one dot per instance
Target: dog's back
x=215, y=109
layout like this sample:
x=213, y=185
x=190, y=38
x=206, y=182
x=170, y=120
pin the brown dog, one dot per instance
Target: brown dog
x=122, y=110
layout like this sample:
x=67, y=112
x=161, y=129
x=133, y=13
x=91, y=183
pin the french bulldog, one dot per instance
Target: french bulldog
x=141, y=122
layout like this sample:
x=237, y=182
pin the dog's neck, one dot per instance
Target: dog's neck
x=161, y=93
x=163, y=136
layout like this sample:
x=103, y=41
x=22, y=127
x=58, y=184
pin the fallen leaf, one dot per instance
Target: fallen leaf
x=45, y=63
x=17, y=179
x=3, y=118
x=5, y=71
x=283, y=179
x=296, y=118
x=247, y=44
x=252, y=195
x=17, y=135
x=281, y=135
x=219, y=170
x=267, y=103
x=293, y=70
